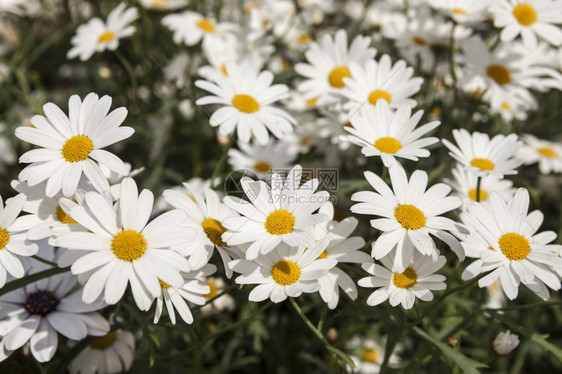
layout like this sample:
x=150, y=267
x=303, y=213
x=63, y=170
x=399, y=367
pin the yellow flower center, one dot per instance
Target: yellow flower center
x=285, y=273
x=369, y=355
x=77, y=148
x=525, y=14
x=223, y=69
x=324, y=254
x=280, y=222
x=306, y=140
x=547, y=152
x=62, y=217
x=458, y=11
x=379, y=94
x=312, y=102
x=214, y=230
x=214, y=290
x=388, y=145
x=163, y=284
x=245, y=103
x=410, y=217
x=419, y=41
x=206, y=25
x=405, y=280
x=128, y=245
x=160, y=4
x=106, y=37
x=482, y=164
x=262, y=166
x=336, y=76
x=514, y=246
x=472, y=194
x=304, y=38
x=105, y=341
x=499, y=74
x=506, y=106
x=4, y=238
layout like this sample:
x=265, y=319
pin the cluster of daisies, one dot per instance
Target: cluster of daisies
x=79, y=211
x=81, y=200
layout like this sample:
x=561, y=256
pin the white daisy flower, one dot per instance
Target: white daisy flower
x=205, y=212
x=13, y=238
x=382, y=132
x=229, y=49
x=381, y=80
x=483, y=156
x=193, y=290
x=504, y=72
x=328, y=63
x=48, y=215
x=422, y=38
x=261, y=159
x=284, y=272
x=197, y=184
x=247, y=99
x=547, y=154
x=191, y=27
x=36, y=312
x=224, y=302
x=410, y=214
x=462, y=11
x=72, y=146
x=119, y=247
x=403, y=287
x=368, y=355
x=530, y=19
x=465, y=183
x=504, y=343
x=298, y=37
x=112, y=353
x=163, y=4
x=341, y=248
x=280, y=213
x=264, y=15
x=513, y=251
x=510, y=106
x=97, y=35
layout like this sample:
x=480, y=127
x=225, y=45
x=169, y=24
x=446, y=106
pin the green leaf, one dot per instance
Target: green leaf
x=466, y=364
x=540, y=339
x=19, y=283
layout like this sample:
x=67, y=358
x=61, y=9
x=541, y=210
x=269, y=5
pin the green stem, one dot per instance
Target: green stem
x=323, y=315
x=320, y=336
x=48, y=43
x=19, y=283
x=391, y=343
x=130, y=71
x=53, y=264
x=478, y=182
x=221, y=162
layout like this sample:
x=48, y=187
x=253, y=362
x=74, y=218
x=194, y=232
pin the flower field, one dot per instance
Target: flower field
x=280, y=186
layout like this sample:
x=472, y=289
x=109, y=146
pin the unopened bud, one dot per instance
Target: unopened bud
x=504, y=343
